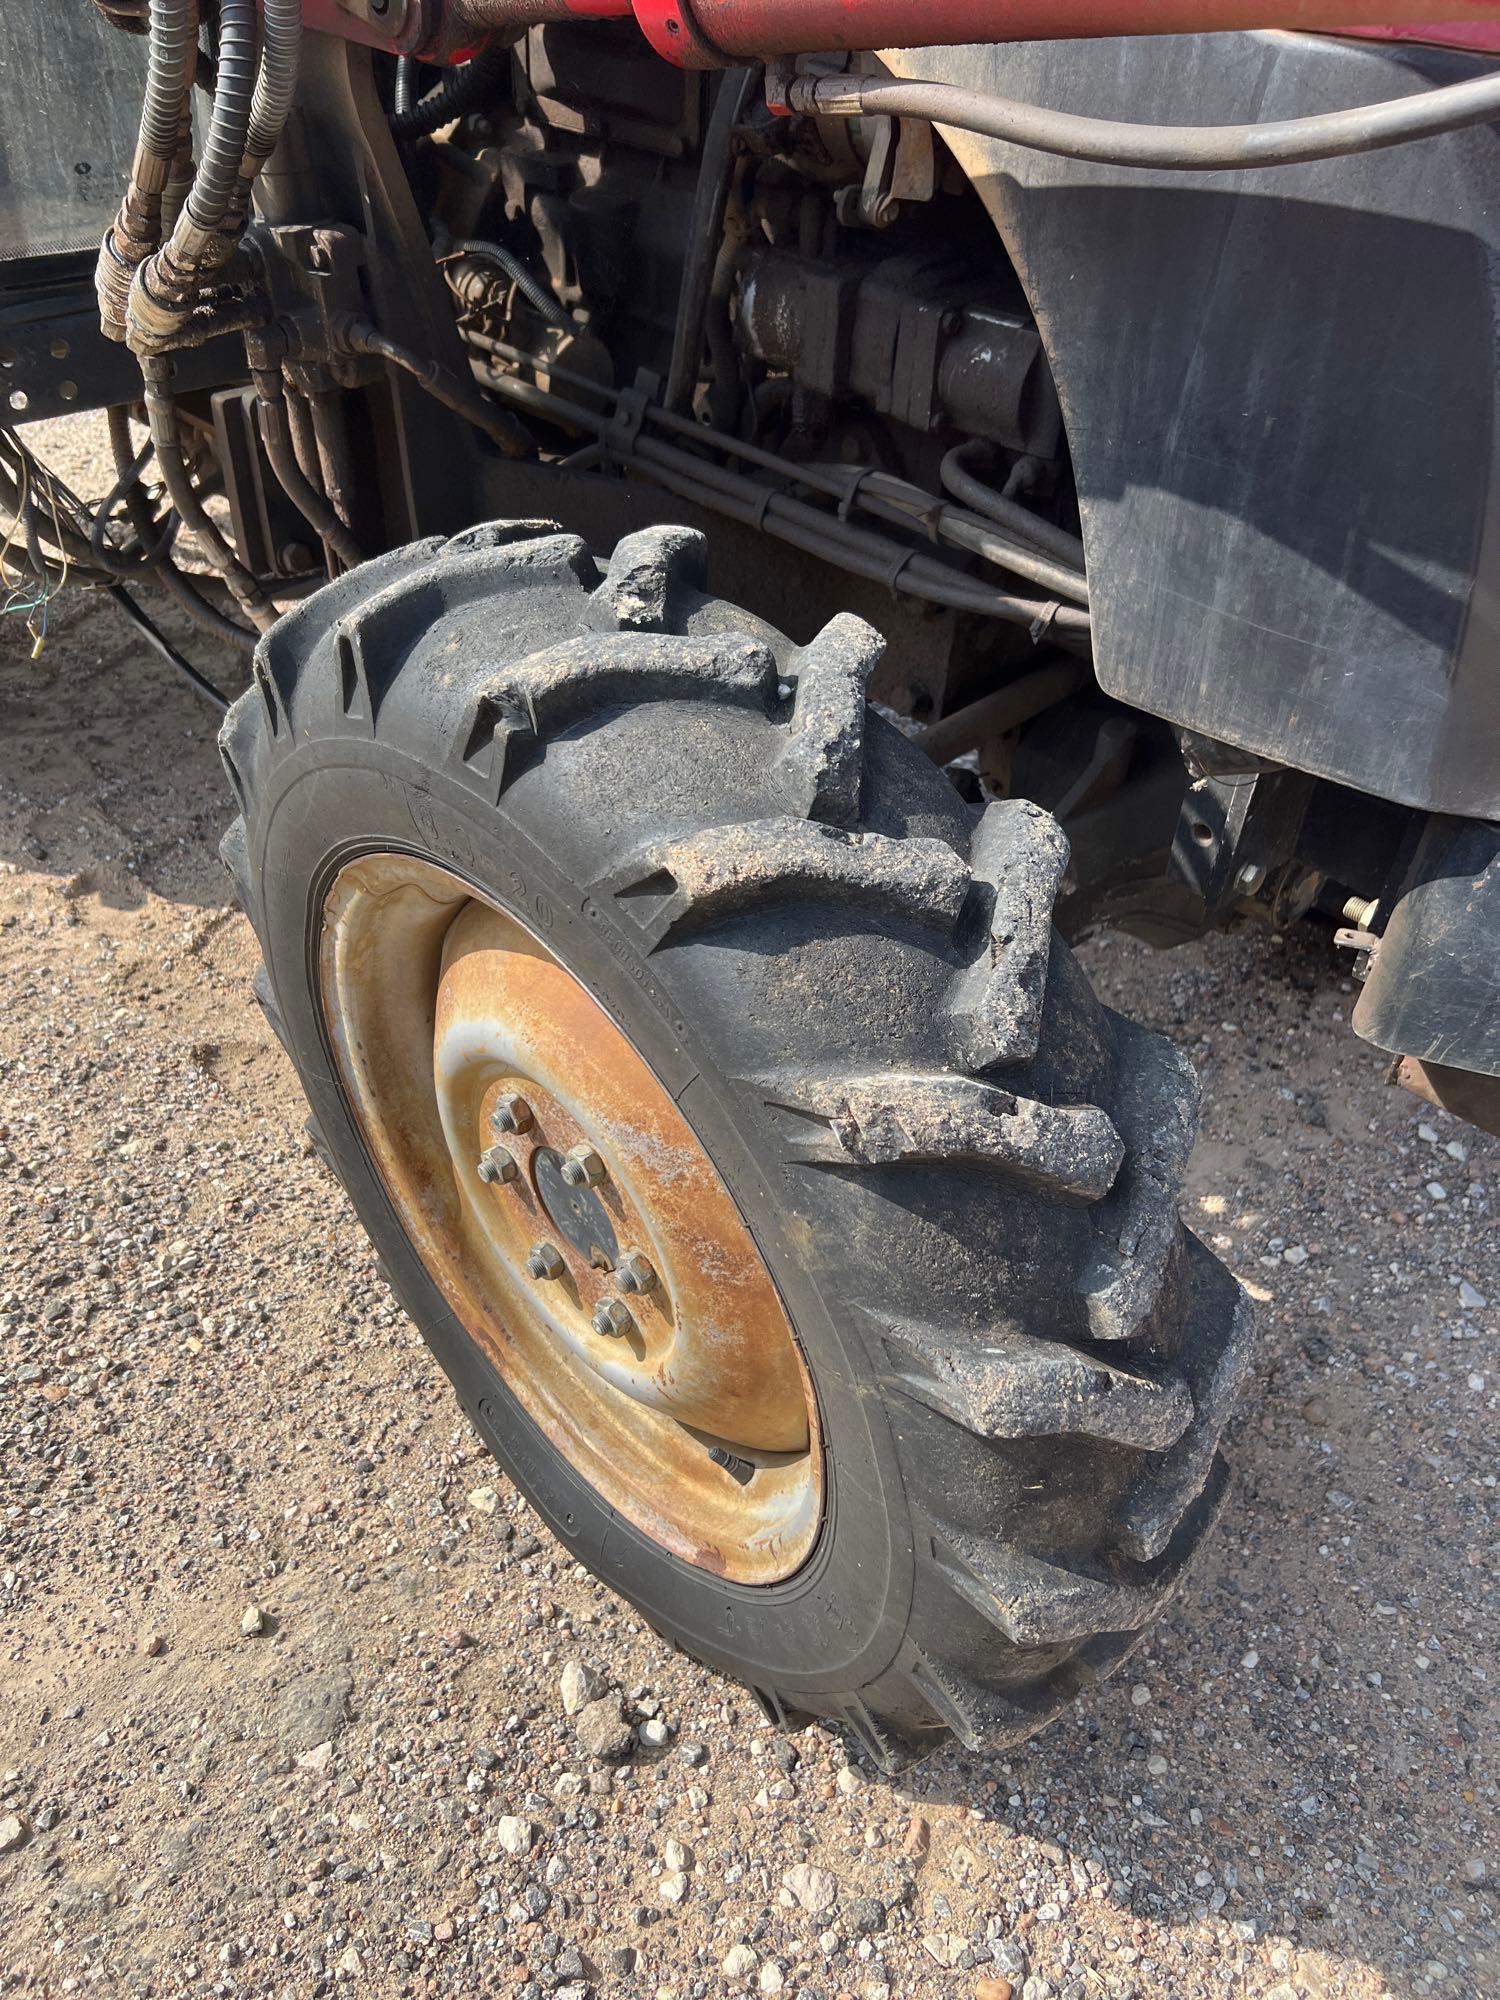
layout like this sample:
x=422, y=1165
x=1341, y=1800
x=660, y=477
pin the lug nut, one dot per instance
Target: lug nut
x=496, y=1165
x=512, y=1114
x=545, y=1261
x=583, y=1167
x=635, y=1274
x=612, y=1318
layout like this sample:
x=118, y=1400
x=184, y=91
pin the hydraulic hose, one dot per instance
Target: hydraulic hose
x=514, y=269
x=462, y=91
x=710, y=196
x=276, y=85
x=171, y=59
x=229, y=124
x=161, y=409
x=359, y=336
x=1177, y=148
x=1008, y=514
x=275, y=429
x=166, y=572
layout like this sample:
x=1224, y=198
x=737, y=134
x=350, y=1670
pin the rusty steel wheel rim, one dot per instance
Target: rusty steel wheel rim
x=571, y=1218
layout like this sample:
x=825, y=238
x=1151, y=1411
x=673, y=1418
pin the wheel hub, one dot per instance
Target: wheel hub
x=571, y=1217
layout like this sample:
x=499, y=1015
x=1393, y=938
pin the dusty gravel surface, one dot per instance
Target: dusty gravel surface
x=284, y=1653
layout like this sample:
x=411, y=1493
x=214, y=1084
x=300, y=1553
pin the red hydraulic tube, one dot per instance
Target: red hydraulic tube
x=707, y=34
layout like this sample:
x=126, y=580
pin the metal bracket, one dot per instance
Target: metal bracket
x=901, y=167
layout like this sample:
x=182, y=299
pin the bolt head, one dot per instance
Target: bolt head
x=496, y=1166
x=635, y=1273
x=611, y=1318
x=545, y=1261
x=512, y=1114
x=583, y=1168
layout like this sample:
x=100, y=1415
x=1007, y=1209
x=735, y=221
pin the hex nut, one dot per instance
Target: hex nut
x=635, y=1273
x=545, y=1261
x=612, y=1318
x=497, y=1166
x=512, y=1114
x=582, y=1167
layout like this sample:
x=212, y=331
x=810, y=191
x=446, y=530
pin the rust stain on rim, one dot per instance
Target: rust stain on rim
x=695, y=1419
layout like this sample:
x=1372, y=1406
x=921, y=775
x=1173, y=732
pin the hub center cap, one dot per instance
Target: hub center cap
x=577, y=1213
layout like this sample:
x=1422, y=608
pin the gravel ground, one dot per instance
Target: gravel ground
x=288, y=1665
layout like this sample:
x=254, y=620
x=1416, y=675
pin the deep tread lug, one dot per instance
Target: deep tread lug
x=728, y=869
x=1137, y=1228
x=643, y=574
x=1033, y=1602
x=1019, y=854
x=889, y=1118
x=1025, y=1388
x=1217, y=1352
x=822, y=766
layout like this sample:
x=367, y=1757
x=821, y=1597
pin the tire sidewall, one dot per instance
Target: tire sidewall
x=840, y=1621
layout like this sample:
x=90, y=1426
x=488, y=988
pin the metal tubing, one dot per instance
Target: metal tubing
x=1007, y=708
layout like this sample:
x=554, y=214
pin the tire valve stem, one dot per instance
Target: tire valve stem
x=635, y=1273
x=739, y=1469
x=496, y=1166
x=512, y=1114
x=545, y=1261
x=612, y=1318
x=583, y=1168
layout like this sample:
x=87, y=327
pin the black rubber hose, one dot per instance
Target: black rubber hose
x=512, y=437
x=1284, y=142
x=166, y=572
x=1008, y=514
x=514, y=269
x=171, y=59
x=275, y=429
x=147, y=553
x=463, y=90
x=166, y=436
x=710, y=194
x=152, y=633
x=228, y=127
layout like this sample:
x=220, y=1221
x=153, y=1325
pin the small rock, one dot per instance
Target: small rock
x=654, y=1733
x=945, y=1946
x=514, y=1835
x=694, y=1754
x=13, y=1832
x=772, y=1979
x=918, y=1838
x=317, y=1759
x=350, y=1962
x=252, y=1621
x=1140, y=1694
x=866, y=1915
x=673, y=1887
x=1436, y=1191
x=1476, y=1871
x=484, y=1499
x=994, y=1989
x=579, y=1686
x=677, y=1855
x=153, y=1645
x=603, y=1731
x=812, y=1889
x=848, y=1781
x=1470, y=1298
x=739, y=1962
x=1317, y=1411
